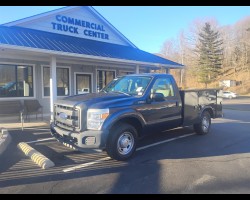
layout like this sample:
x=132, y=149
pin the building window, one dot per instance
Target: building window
x=16, y=81
x=123, y=73
x=103, y=78
x=83, y=83
x=62, y=81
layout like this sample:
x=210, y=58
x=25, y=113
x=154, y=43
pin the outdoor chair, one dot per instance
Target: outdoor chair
x=32, y=107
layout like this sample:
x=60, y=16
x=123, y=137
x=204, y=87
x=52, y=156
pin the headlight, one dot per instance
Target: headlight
x=96, y=117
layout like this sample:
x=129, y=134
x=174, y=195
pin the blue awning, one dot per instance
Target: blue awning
x=24, y=37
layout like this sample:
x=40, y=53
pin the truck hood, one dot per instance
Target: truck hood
x=99, y=100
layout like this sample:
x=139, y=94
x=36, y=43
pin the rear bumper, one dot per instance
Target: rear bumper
x=80, y=140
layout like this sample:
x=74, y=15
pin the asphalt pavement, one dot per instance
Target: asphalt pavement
x=175, y=161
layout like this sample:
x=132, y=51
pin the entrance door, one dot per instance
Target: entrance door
x=83, y=84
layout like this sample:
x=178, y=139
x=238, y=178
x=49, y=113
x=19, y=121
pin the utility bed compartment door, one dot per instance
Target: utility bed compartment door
x=195, y=100
x=190, y=111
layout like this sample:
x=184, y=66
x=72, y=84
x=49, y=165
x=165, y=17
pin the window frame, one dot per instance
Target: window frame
x=126, y=71
x=34, y=82
x=68, y=67
x=83, y=73
x=102, y=69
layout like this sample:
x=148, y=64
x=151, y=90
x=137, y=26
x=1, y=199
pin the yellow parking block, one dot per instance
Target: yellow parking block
x=35, y=156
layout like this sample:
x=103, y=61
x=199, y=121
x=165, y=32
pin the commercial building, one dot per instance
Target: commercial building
x=68, y=51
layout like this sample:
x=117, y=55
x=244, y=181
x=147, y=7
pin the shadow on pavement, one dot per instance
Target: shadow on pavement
x=143, y=166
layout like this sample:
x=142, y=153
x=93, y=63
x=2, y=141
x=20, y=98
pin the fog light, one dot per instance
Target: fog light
x=90, y=140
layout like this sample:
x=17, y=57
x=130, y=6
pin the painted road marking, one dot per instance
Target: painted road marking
x=27, y=128
x=138, y=149
x=37, y=128
x=46, y=139
x=165, y=141
x=86, y=164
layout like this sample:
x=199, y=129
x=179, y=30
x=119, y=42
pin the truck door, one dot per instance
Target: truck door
x=167, y=113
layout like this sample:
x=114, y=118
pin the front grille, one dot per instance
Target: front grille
x=66, y=117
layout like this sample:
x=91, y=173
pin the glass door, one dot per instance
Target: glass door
x=83, y=83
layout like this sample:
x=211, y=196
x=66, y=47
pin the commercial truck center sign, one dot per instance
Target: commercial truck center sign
x=72, y=25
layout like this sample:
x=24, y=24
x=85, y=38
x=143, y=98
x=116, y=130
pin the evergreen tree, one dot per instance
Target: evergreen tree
x=210, y=53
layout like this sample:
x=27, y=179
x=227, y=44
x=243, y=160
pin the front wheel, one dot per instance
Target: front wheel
x=203, y=126
x=121, y=143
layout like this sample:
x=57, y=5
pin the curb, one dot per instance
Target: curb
x=5, y=139
x=35, y=156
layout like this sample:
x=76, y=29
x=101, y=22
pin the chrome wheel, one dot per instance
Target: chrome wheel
x=125, y=143
x=205, y=124
x=121, y=144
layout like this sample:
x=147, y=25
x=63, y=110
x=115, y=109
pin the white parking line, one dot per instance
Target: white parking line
x=138, y=149
x=46, y=139
x=40, y=129
x=27, y=128
x=165, y=141
x=86, y=164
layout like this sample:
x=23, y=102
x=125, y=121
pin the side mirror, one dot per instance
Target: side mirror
x=157, y=96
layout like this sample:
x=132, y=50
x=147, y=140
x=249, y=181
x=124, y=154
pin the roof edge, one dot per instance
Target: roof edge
x=52, y=52
x=34, y=17
x=116, y=30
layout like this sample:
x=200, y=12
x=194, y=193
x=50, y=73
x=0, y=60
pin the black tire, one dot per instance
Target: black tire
x=125, y=133
x=204, y=125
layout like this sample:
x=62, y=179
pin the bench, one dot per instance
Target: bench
x=8, y=108
x=32, y=107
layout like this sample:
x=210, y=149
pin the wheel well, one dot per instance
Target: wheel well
x=210, y=112
x=132, y=121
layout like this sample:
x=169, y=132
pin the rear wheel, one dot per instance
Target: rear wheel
x=203, y=126
x=121, y=143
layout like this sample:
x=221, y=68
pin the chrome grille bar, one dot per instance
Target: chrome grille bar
x=66, y=117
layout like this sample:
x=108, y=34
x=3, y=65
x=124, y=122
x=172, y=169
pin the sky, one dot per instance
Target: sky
x=147, y=27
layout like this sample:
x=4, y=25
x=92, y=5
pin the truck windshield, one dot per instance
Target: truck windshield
x=131, y=85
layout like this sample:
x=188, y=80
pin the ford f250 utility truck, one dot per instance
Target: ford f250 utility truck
x=127, y=109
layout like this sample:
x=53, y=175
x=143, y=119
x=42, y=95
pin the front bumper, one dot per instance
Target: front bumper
x=89, y=139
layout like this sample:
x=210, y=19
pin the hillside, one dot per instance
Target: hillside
x=189, y=81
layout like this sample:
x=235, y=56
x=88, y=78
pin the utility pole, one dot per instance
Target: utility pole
x=182, y=70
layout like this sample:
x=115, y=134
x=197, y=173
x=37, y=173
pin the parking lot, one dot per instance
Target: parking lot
x=175, y=161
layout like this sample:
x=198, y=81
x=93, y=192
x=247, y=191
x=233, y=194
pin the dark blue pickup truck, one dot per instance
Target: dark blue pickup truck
x=127, y=109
